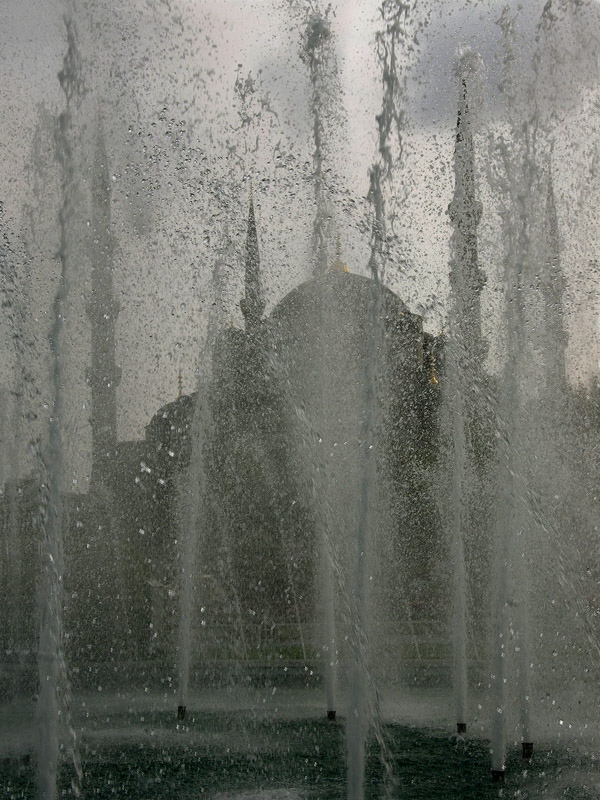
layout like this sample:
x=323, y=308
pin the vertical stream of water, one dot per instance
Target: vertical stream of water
x=464, y=374
x=53, y=699
x=391, y=40
x=192, y=504
x=518, y=169
x=316, y=54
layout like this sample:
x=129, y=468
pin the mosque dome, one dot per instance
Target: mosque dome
x=342, y=324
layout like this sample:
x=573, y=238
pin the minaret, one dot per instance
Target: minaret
x=252, y=304
x=466, y=278
x=103, y=376
x=552, y=285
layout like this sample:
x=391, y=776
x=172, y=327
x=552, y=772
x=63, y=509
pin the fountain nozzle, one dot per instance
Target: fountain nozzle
x=497, y=776
x=527, y=749
x=180, y=713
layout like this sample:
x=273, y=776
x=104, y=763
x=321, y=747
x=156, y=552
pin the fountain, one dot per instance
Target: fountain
x=268, y=531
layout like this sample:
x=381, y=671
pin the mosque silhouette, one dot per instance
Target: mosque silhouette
x=278, y=471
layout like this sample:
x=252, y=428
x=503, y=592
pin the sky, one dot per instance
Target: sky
x=161, y=75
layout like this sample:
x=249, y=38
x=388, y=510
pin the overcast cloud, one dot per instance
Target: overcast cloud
x=162, y=76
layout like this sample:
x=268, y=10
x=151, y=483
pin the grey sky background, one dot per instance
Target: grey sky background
x=162, y=76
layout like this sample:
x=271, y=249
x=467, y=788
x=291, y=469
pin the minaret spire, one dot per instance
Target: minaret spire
x=466, y=278
x=252, y=304
x=103, y=376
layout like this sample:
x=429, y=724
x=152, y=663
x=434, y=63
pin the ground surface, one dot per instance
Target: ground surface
x=277, y=746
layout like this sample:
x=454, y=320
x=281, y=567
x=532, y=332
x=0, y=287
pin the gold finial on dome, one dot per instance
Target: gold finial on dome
x=433, y=379
x=338, y=265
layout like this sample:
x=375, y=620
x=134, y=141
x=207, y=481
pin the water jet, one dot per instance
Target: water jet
x=498, y=775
